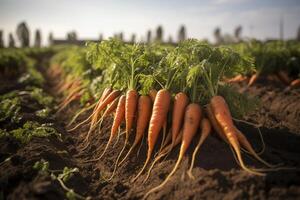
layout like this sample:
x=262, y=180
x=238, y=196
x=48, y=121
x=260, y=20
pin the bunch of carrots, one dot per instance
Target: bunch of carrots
x=168, y=93
x=278, y=61
x=72, y=75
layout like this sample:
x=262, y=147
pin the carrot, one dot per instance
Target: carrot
x=295, y=83
x=112, y=96
x=130, y=111
x=72, y=93
x=214, y=123
x=105, y=93
x=241, y=138
x=163, y=153
x=236, y=79
x=152, y=95
x=180, y=103
x=253, y=79
x=192, y=118
x=144, y=114
x=245, y=143
x=75, y=96
x=118, y=119
x=110, y=109
x=205, y=131
x=222, y=114
x=168, y=139
x=158, y=117
x=68, y=85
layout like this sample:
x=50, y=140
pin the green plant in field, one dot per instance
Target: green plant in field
x=15, y=63
x=12, y=63
x=41, y=97
x=43, y=113
x=33, y=129
x=271, y=57
x=11, y=103
x=203, y=70
x=10, y=109
x=3, y=133
x=64, y=175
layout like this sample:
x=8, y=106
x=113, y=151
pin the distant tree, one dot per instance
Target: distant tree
x=38, y=39
x=149, y=36
x=101, y=37
x=133, y=37
x=218, y=36
x=237, y=33
x=1, y=39
x=50, y=38
x=121, y=36
x=72, y=36
x=298, y=34
x=11, y=41
x=170, y=39
x=23, y=34
x=159, y=34
x=181, y=33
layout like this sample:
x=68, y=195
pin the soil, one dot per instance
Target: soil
x=217, y=176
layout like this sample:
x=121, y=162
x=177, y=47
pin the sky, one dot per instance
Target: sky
x=89, y=18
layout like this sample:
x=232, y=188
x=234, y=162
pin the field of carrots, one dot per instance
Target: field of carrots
x=113, y=120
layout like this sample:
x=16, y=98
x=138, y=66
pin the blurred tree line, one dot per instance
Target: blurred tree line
x=157, y=35
x=23, y=37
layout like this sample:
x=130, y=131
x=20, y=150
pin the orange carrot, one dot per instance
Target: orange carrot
x=71, y=93
x=112, y=96
x=236, y=79
x=158, y=117
x=75, y=96
x=222, y=114
x=295, y=83
x=205, y=131
x=253, y=79
x=245, y=143
x=130, y=109
x=110, y=109
x=119, y=118
x=105, y=93
x=214, y=123
x=241, y=138
x=180, y=103
x=144, y=114
x=191, y=123
x=163, y=153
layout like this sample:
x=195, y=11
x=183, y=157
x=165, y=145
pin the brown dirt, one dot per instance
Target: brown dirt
x=217, y=176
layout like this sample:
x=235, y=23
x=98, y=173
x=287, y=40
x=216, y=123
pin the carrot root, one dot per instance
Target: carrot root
x=206, y=129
